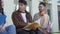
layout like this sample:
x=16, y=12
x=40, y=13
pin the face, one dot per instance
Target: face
x=22, y=7
x=41, y=7
x=2, y=4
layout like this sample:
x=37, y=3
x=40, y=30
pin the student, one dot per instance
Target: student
x=2, y=17
x=42, y=17
x=21, y=17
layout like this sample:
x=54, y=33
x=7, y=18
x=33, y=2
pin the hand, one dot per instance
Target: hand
x=2, y=28
x=33, y=27
x=43, y=31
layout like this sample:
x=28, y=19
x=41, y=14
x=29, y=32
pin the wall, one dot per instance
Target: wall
x=8, y=9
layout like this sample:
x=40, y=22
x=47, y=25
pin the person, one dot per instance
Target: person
x=2, y=17
x=21, y=17
x=42, y=18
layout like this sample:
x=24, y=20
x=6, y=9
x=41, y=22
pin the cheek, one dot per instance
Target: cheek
x=42, y=12
x=21, y=7
x=42, y=7
x=2, y=4
x=24, y=7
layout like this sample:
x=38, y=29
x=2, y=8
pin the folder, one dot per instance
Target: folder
x=29, y=26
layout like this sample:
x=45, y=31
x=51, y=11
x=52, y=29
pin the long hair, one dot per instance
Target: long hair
x=1, y=8
x=2, y=11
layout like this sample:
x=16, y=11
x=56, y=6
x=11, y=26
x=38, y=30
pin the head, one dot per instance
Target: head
x=42, y=6
x=1, y=3
x=22, y=5
x=1, y=8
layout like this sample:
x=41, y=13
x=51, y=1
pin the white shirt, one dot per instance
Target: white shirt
x=24, y=17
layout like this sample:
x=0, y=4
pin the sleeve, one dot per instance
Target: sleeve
x=46, y=21
x=16, y=22
x=35, y=18
x=29, y=17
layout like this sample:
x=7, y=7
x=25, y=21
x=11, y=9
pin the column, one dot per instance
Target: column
x=54, y=16
x=8, y=9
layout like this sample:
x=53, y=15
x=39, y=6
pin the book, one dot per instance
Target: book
x=29, y=26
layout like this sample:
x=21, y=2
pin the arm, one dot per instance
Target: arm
x=16, y=22
x=29, y=17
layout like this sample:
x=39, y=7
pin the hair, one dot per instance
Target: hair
x=1, y=8
x=44, y=4
x=0, y=3
x=23, y=1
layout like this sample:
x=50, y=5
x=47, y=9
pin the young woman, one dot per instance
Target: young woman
x=2, y=17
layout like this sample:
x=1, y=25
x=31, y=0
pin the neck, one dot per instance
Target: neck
x=22, y=11
x=41, y=15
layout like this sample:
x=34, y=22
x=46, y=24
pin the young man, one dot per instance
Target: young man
x=21, y=17
x=42, y=17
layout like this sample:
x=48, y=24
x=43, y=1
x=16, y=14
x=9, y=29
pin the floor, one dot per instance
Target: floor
x=56, y=33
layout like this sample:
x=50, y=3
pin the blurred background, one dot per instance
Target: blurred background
x=53, y=10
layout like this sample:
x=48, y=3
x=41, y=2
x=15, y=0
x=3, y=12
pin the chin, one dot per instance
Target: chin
x=41, y=15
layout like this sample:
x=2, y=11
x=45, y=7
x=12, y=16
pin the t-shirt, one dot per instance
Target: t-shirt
x=2, y=19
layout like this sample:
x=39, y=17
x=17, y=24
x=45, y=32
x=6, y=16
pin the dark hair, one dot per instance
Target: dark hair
x=0, y=3
x=42, y=3
x=23, y=1
x=1, y=9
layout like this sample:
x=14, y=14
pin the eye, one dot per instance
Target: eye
x=21, y=5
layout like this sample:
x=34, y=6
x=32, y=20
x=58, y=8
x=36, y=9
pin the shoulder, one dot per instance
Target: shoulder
x=3, y=15
x=37, y=14
x=15, y=12
x=27, y=12
x=46, y=16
